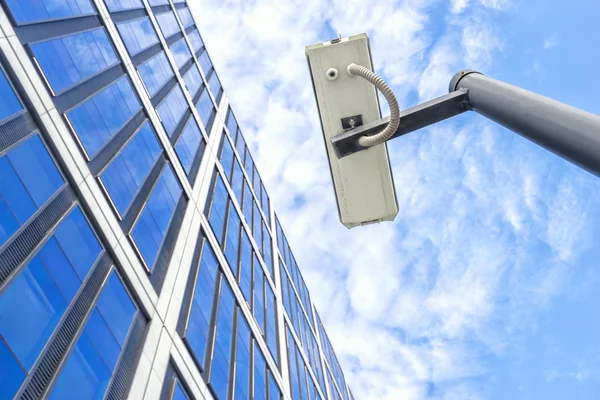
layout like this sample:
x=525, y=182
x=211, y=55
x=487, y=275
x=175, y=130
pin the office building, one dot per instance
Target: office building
x=140, y=256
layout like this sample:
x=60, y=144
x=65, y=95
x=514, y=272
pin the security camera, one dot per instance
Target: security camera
x=332, y=74
x=363, y=182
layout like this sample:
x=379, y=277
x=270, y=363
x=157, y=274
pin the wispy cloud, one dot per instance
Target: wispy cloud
x=413, y=308
x=551, y=42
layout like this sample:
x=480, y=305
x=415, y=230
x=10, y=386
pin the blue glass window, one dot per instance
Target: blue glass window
x=28, y=178
x=285, y=289
x=206, y=109
x=129, y=169
x=293, y=367
x=172, y=108
x=249, y=165
x=231, y=123
x=264, y=201
x=87, y=372
x=196, y=41
x=158, y=2
x=237, y=179
x=279, y=231
x=37, y=10
x=207, y=67
x=153, y=223
x=188, y=145
x=168, y=24
x=227, y=156
x=215, y=86
x=181, y=52
x=257, y=227
x=240, y=145
x=258, y=305
x=78, y=242
x=302, y=374
x=332, y=388
x=271, y=333
x=218, y=208
x=193, y=80
x=260, y=377
x=256, y=183
x=97, y=119
x=36, y=171
x=274, y=391
x=242, y=360
x=43, y=290
x=179, y=393
x=202, y=304
x=246, y=267
x=12, y=374
x=9, y=103
x=219, y=376
x=118, y=5
x=247, y=208
x=185, y=16
x=232, y=242
x=68, y=60
x=137, y=34
x=267, y=247
x=155, y=73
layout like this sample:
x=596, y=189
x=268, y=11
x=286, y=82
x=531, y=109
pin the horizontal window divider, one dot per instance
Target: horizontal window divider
x=180, y=5
x=179, y=128
x=190, y=29
x=142, y=196
x=130, y=356
x=146, y=54
x=87, y=88
x=56, y=352
x=126, y=15
x=116, y=143
x=199, y=52
x=16, y=129
x=161, y=9
x=46, y=30
x=173, y=38
x=188, y=64
x=218, y=101
x=196, y=98
x=15, y=252
x=162, y=93
x=168, y=245
x=210, y=74
x=209, y=123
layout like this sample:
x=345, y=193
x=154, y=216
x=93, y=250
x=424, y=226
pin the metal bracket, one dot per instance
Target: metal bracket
x=352, y=122
x=411, y=119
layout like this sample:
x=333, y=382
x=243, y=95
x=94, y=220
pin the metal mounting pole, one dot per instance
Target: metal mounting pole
x=569, y=132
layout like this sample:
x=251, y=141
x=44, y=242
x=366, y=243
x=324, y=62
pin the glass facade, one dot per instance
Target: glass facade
x=136, y=206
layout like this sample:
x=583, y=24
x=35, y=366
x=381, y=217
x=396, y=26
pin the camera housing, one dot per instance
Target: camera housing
x=363, y=182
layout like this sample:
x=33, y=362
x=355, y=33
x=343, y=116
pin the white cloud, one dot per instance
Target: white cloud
x=551, y=42
x=419, y=303
x=457, y=6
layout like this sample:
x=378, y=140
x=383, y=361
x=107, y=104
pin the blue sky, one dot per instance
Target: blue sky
x=487, y=284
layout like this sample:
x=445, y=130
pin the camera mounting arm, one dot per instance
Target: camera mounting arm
x=569, y=132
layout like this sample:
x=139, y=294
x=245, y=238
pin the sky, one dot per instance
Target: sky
x=487, y=284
